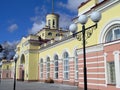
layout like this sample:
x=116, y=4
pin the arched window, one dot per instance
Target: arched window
x=48, y=67
x=41, y=68
x=53, y=23
x=66, y=65
x=49, y=23
x=56, y=66
x=76, y=64
x=22, y=59
x=50, y=34
x=113, y=34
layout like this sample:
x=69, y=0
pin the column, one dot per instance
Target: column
x=117, y=67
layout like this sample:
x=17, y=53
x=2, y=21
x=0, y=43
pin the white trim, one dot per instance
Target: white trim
x=105, y=66
x=111, y=43
x=75, y=64
x=93, y=78
x=94, y=73
x=92, y=57
x=92, y=68
x=92, y=62
x=93, y=84
x=66, y=51
x=31, y=51
x=105, y=29
x=95, y=48
x=117, y=67
x=109, y=4
x=55, y=65
x=58, y=44
x=85, y=10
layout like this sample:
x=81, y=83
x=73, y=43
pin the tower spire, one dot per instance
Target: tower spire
x=52, y=6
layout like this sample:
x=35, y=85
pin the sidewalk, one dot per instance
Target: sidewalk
x=8, y=85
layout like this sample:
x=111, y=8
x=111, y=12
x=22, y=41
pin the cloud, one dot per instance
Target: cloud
x=65, y=20
x=12, y=27
x=71, y=5
x=38, y=20
x=36, y=27
x=9, y=50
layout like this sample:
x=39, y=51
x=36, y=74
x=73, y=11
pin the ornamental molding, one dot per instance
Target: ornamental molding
x=91, y=49
x=105, y=29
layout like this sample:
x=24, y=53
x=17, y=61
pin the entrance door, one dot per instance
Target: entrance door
x=22, y=75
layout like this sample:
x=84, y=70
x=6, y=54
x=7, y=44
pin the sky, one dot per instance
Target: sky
x=20, y=18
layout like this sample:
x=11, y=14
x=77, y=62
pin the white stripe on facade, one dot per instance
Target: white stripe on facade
x=94, y=73
x=92, y=57
x=91, y=49
x=93, y=78
x=92, y=62
x=93, y=84
x=92, y=68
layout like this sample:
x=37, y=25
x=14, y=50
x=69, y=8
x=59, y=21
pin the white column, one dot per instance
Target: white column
x=105, y=66
x=117, y=67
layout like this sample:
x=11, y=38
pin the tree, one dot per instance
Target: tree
x=9, y=50
x=1, y=48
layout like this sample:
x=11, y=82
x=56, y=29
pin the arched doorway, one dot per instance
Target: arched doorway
x=22, y=63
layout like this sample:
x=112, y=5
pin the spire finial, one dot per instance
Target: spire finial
x=52, y=6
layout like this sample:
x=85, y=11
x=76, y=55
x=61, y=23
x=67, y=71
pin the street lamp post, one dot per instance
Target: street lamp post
x=15, y=59
x=84, y=34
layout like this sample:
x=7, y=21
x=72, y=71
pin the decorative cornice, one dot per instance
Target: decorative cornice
x=57, y=43
x=31, y=51
x=95, y=48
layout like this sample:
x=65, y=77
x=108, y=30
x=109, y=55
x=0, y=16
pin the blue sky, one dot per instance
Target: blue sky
x=20, y=18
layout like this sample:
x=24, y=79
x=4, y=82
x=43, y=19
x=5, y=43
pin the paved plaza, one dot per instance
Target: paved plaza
x=8, y=85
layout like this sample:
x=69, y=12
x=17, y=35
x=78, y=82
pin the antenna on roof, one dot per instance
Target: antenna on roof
x=52, y=6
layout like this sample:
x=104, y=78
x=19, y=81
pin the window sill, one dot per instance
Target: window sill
x=111, y=84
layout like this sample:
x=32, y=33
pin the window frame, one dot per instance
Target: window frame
x=56, y=67
x=48, y=67
x=109, y=77
x=76, y=65
x=110, y=36
x=66, y=65
x=41, y=68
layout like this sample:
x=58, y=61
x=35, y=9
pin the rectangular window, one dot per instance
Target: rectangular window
x=111, y=72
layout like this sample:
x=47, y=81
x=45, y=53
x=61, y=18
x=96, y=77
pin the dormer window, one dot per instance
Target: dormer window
x=113, y=34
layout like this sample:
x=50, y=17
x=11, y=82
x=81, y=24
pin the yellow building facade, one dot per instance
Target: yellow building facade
x=55, y=53
x=7, y=69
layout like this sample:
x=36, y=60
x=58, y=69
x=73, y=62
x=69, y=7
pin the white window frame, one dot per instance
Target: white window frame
x=66, y=77
x=48, y=67
x=109, y=74
x=113, y=33
x=76, y=64
x=117, y=67
x=41, y=68
x=56, y=66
